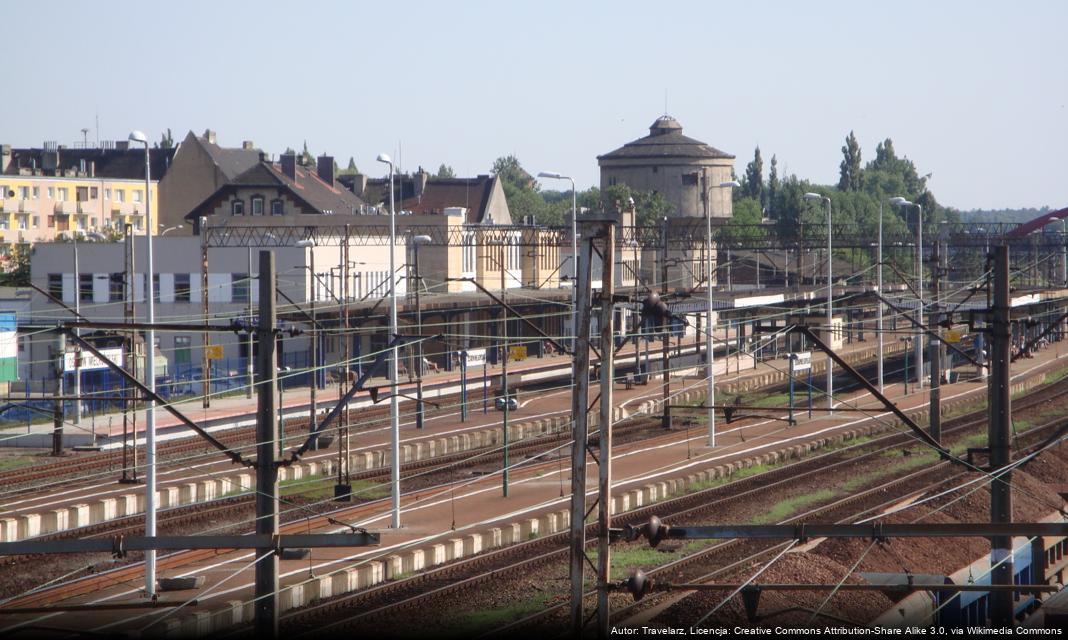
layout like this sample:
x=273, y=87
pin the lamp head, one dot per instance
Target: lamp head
x=552, y=174
x=898, y=200
x=304, y=243
x=383, y=157
x=421, y=239
x=730, y=183
x=813, y=196
x=138, y=136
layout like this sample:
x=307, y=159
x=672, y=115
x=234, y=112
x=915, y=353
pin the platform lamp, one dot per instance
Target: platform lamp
x=394, y=411
x=830, y=298
x=710, y=397
x=150, y=375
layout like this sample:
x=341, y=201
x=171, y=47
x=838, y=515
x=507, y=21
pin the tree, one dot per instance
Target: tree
x=510, y=171
x=445, y=172
x=849, y=170
x=350, y=170
x=753, y=186
x=773, y=183
x=166, y=141
x=306, y=158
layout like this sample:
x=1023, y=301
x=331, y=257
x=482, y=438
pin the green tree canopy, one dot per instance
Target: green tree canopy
x=445, y=171
x=753, y=183
x=849, y=169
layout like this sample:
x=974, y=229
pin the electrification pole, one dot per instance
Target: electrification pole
x=1000, y=441
x=266, y=611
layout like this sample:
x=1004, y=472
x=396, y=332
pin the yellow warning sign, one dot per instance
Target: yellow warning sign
x=952, y=336
x=213, y=352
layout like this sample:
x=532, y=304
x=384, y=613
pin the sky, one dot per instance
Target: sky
x=973, y=92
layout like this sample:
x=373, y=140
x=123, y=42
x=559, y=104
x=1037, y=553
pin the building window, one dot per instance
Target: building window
x=257, y=206
x=116, y=287
x=239, y=287
x=94, y=192
x=656, y=169
x=85, y=287
x=22, y=223
x=24, y=193
x=36, y=221
x=237, y=208
x=55, y=285
x=276, y=207
x=51, y=193
x=107, y=193
x=61, y=194
x=182, y=356
x=181, y=287
x=137, y=195
x=81, y=194
x=155, y=287
x=36, y=192
x=120, y=195
x=51, y=221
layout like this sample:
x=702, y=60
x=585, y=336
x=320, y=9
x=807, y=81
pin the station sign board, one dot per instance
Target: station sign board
x=475, y=357
x=802, y=360
x=90, y=362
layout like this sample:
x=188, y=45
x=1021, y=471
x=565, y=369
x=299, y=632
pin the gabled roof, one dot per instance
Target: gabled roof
x=438, y=194
x=307, y=188
x=473, y=194
x=232, y=161
x=665, y=140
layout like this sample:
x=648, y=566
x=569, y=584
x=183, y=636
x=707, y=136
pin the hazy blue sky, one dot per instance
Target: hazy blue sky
x=974, y=92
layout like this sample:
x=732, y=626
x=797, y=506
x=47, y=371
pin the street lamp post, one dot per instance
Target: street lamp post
x=314, y=367
x=919, y=285
x=419, y=411
x=830, y=298
x=710, y=396
x=394, y=412
x=150, y=375
x=879, y=288
x=552, y=175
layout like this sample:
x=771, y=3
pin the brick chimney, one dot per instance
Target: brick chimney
x=289, y=165
x=209, y=136
x=5, y=157
x=247, y=145
x=324, y=166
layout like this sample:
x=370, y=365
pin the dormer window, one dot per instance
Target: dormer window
x=237, y=208
x=257, y=206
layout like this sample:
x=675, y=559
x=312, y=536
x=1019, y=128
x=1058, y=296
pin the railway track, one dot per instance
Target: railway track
x=448, y=582
x=386, y=592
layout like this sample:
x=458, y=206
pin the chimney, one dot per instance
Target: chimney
x=419, y=181
x=122, y=145
x=5, y=157
x=247, y=145
x=263, y=156
x=289, y=165
x=359, y=184
x=324, y=166
x=209, y=136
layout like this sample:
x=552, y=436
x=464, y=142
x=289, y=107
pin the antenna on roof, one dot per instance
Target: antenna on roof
x=665, y=101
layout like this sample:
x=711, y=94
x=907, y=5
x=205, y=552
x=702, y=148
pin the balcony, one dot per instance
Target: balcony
x=25, y=205
x=122, y=208
x=88, y=206
x=66, y=208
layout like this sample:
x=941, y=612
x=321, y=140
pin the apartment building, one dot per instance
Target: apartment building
x=53, y=192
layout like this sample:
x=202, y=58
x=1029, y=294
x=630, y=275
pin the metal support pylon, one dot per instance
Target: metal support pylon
x=595, y=233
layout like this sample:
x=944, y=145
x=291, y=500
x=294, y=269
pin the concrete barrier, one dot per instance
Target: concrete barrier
x=346, y=580
x=454, y=549
x=231, y=614
x=102, y=510
x=370, y=574
x=414, y=561
x=127, y=504
x=436, y=554
x=187, y=492
x=393, y=566
x=9, y=530
x=78, y=516
x=55, y=520
x=472, y=544
x=318, y=588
